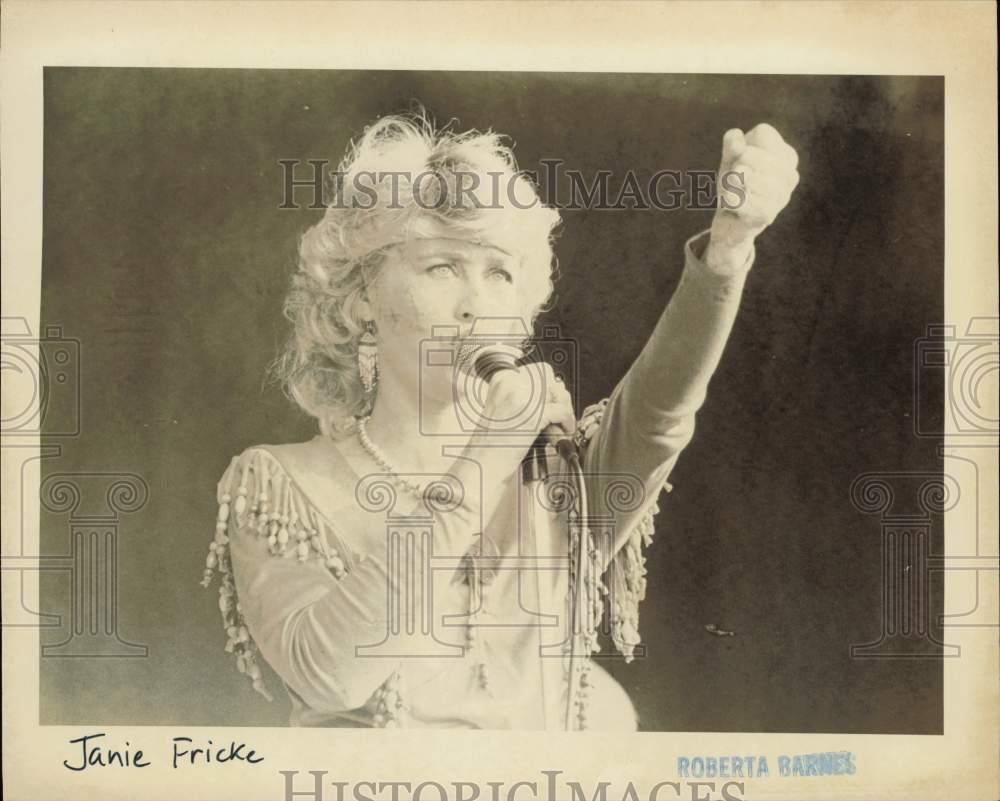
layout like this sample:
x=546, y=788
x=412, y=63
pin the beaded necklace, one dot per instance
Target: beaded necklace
x=375, y=452
x=475, y=576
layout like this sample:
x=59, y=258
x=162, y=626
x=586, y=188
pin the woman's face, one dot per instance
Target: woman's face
x=429, y=283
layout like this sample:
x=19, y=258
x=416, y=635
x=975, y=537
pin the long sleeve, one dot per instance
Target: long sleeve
x=307, y=622
x=298, y=593
x=650, y=416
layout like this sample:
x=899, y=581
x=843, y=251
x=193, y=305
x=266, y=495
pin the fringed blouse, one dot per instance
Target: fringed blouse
x=374, y=611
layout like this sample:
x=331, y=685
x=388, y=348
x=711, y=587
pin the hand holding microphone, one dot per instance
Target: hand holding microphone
x=513, y=388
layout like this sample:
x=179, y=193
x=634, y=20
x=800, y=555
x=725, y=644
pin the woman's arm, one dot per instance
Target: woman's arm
x=650, y=416
x=307, y=623
x=308, y=596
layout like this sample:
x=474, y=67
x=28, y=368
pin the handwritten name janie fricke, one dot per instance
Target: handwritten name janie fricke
x=93, y=752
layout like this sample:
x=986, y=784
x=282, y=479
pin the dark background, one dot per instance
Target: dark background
x=166, y=256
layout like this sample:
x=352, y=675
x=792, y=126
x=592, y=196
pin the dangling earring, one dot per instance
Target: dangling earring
x=368, y=358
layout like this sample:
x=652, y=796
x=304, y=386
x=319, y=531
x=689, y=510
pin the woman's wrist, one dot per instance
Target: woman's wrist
x=729, y=259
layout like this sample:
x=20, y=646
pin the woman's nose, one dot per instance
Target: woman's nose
x=471, y=303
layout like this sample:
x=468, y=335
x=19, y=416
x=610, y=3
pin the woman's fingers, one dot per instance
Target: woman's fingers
x=559, y=404
x=514, y=397
x=564, y=417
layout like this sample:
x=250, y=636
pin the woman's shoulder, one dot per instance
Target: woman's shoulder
x=317, y=459
x=285, y=451
x=289, y=485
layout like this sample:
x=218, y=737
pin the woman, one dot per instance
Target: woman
x=488, y=620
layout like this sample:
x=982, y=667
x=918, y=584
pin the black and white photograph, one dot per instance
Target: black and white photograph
x=617, y=404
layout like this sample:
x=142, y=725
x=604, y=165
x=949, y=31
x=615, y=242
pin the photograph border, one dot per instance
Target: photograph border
x=954, y=40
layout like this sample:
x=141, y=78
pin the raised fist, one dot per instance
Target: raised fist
x=756, y=177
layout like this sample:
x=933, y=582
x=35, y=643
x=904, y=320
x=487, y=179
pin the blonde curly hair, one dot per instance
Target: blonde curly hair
x=383, y=198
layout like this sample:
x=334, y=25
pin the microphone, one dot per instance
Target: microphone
x=485, y=360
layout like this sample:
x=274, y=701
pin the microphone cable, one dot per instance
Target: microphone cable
x=579, y=512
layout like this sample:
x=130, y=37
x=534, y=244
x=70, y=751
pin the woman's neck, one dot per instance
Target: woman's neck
x=413, y=435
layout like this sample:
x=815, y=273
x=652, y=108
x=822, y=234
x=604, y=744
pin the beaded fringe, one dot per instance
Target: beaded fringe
x=478, y=578
x=592, y=609
x=256, y=495
x=627, y=568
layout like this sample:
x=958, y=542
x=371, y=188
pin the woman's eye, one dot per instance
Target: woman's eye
x=502, y=275
x=442, y=270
